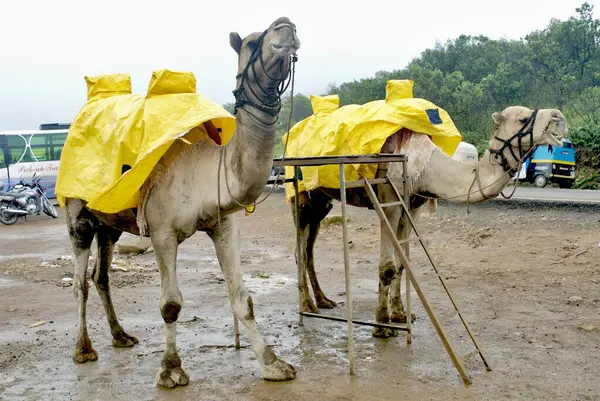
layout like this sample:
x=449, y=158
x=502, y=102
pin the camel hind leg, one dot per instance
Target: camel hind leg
x=313, y=209
x=320, y=208
x=82, y=229
x=107, y=238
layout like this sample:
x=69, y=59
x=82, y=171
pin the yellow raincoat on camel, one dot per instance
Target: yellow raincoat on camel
x=116, y=130
x=362, y=129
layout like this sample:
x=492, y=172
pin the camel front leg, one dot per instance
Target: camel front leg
x=398, y=312
x=165, y=244
x=107, y=238
x=387, y=274
x=227, y=243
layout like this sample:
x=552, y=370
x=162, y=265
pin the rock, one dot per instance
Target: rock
x=333, y=220
x=131, y=244
x=36, y=324
x=575, y=299
x=586, y=327
x=484, y=233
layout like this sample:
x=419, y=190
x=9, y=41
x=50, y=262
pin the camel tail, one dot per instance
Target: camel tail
x=141, y=214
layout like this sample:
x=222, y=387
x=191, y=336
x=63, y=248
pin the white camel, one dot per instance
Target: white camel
x=432, y=175
x=204, y=184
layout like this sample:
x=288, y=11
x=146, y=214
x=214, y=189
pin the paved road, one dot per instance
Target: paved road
x=555, y=194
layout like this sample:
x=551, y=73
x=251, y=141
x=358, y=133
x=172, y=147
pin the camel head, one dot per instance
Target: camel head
x=518, y=129
x=264, y=63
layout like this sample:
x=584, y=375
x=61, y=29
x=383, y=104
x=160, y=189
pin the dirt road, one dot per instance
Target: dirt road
x=527, y=276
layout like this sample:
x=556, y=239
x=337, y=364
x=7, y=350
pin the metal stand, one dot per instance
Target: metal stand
x=401, y=248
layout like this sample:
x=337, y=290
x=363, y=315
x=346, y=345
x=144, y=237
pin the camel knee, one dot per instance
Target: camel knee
x=170, y=311
x=243, y=305
x=387, y=272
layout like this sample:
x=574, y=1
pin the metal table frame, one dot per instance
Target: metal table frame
x=296, y=163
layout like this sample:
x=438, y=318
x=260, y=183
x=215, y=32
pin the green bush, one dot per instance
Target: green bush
x=586, y=137
x=587, y=178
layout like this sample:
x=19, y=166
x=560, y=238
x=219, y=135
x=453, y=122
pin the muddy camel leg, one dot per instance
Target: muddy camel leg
x=107, y=238
x=307, y=303
x=387, y=272
x=226, y=241
x=313, y=231
x=82, y=229
x=398, y=312
x=165, y=244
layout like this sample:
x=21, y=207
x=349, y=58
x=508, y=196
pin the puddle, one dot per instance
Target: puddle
x=262, y=285
x=8, y=282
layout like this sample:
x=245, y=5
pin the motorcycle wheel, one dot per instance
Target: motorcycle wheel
x=7, y=218
x=49, y=209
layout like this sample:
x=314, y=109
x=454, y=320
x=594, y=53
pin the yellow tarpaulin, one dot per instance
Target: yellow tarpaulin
x=116, y=130
x=362, y=129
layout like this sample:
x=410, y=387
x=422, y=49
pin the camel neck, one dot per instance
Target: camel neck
x=248, y=156
x=447, y=178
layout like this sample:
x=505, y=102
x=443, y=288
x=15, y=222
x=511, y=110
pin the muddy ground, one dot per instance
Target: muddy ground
x=527, y=276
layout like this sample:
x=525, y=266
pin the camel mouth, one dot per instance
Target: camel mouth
x=284, y=50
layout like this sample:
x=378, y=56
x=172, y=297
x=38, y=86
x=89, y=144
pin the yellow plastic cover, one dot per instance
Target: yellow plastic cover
x=362, y=129
x=116, y=128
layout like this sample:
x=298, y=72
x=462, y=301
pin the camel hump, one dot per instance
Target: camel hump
x=107, y=85
x=168, y=82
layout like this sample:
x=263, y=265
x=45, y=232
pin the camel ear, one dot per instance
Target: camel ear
x=235, y=41
x=498, y=118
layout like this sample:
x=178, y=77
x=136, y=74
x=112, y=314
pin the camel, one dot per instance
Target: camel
x=199, y=191
x=432, y=175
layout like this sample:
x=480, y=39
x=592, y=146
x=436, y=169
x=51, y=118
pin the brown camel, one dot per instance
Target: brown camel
x=432, y=175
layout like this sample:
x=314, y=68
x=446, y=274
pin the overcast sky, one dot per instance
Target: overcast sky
x=48, y=46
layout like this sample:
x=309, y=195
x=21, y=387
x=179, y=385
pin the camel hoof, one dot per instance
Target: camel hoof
x=384, y=332
x=124, y=340
x=279, y=371
x=169, y=378
x=402, y=318
x=309, y=306
x=326, y=303
x=84, y=354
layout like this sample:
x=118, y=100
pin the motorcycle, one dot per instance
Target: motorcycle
x=23, y=200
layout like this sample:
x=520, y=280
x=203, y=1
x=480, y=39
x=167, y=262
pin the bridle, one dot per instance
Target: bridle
x=526, y=130
x=266, y=101
x=498, y=154
x=270, y=105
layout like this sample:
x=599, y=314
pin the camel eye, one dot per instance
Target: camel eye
x=252, y=44
x=524, y=120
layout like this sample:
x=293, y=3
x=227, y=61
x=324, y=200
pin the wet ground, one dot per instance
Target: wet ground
x=526, y=274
